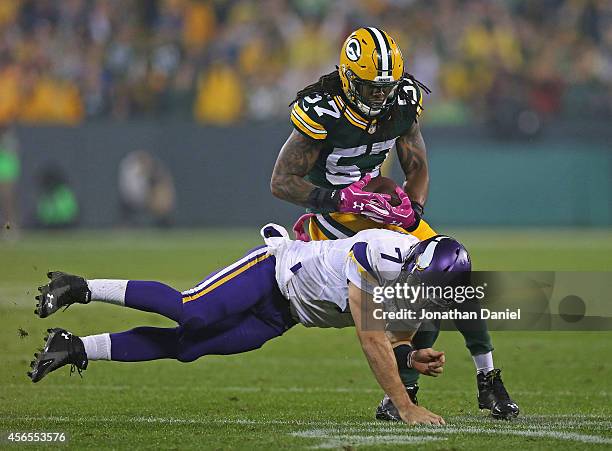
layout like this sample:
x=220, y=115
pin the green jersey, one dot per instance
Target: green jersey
x=353, y=146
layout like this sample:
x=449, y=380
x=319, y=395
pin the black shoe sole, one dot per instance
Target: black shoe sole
x=44, y=361
x=41, y=310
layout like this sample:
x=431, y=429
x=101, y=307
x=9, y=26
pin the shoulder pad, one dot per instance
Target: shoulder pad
x=374, y=261
x=315, y=115
x=359, y=252
x=386, y=255
x=358, y=268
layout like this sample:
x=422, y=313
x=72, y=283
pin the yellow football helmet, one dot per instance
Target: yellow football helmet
x=371, y=66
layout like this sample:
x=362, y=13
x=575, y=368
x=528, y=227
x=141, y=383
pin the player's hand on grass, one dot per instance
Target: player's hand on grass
x=428, y=361
x=353, y=199
x=420, y=415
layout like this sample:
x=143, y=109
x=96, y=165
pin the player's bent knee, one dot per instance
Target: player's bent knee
x=186, y=352
x=186, y=356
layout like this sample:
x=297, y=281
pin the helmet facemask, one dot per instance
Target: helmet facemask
x=371, y=97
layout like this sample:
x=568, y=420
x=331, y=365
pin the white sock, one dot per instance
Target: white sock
x=97, y=347
x=108, y=290
x=483, y=362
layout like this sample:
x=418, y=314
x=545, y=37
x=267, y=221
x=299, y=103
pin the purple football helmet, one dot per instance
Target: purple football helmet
x=438, y=254
x=438, y=261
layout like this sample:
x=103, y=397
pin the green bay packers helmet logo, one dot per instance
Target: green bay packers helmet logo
x=353, y=49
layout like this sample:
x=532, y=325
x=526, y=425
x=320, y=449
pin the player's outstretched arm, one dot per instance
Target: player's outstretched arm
x=296, y=158
x=412, y=155
x=379, y=353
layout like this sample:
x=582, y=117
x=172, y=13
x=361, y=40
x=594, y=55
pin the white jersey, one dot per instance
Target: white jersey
x=314, y=276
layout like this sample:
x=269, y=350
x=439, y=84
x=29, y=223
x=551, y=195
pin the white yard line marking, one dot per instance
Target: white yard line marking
x=335, y=434
x=399, y=434
x=339, y=435
x=371, y=440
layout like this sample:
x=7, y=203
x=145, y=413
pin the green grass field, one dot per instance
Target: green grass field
x=309, y=388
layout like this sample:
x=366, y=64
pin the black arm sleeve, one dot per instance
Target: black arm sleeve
x=402, y=352
x=323, y=199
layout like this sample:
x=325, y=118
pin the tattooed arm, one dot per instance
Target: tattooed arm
x=296, y=158
x=413, y=159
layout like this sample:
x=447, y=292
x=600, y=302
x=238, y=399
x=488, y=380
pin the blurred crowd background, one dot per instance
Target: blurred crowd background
x=123, y=112
x=224, y=61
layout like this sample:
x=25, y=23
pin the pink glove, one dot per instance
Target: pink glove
x=353, y=199
x=298, y=227
x=382, y=211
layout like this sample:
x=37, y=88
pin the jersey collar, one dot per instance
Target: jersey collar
x=351, y=115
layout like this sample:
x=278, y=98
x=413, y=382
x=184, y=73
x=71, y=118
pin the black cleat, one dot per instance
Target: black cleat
x=61, y=348
x=386, y=410
x=63, y=290
x=492, y=395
